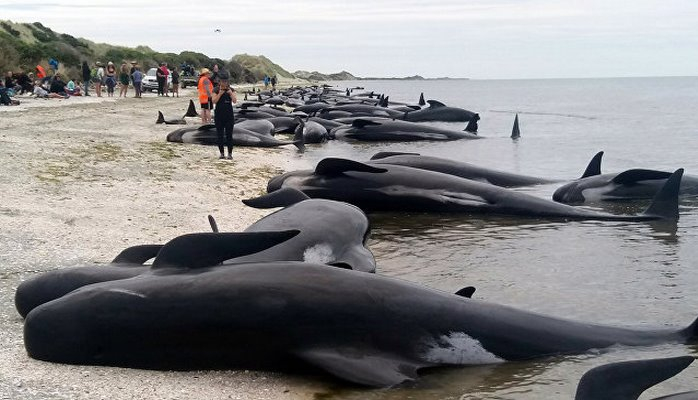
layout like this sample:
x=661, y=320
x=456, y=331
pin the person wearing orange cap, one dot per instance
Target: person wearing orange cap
x=205, y=93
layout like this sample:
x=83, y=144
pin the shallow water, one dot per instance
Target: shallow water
x=622, y=273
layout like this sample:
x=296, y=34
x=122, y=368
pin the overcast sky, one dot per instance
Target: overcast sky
x=482, y=39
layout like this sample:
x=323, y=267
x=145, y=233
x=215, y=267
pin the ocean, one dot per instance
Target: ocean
x=633, y=274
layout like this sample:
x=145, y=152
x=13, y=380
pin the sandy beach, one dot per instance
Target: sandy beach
x=84, y=178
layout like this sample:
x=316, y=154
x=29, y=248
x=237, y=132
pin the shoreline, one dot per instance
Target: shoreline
x=87, y=177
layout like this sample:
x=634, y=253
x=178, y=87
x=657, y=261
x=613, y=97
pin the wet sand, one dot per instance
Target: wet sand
x=82, y=179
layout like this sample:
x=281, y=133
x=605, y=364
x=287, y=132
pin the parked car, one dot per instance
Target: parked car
x=150, y=80
x=189, y=80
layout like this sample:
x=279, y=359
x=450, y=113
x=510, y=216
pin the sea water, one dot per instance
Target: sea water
x=634, y=274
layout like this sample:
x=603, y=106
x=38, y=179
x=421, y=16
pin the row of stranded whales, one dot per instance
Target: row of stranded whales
x=627, y=185
x=391, y=187
x=189, y=313
x=381, y=129
x=315, y=241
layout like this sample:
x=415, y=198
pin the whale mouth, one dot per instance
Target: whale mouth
x=341, y=265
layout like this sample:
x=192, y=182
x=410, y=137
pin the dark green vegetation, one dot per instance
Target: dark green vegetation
x=24, y=45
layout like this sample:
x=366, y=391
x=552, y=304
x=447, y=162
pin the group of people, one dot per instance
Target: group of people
x=215, y=91
x=270, y=80
x=163, y=74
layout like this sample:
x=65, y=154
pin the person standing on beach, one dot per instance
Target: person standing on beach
x=223, y=98
x=175, y=82
x=137, y=78
x=273, y=82
x=166, y=74
x=86, y=77
x=98, y=78
x=205, y=88
x=160, y=78
x=123, y=80
x=110, y=78
x=214, y=76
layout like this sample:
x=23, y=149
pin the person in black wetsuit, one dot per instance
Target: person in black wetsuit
x=224, y=97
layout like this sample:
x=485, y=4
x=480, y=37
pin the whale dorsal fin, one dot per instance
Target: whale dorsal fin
x=632, y=176
x=467, y=291
x=191, y=111
x=137, y=254
x=627, y=380
x=161, y=118
x=213, y=223
x=515, y=132
x=360, y=123
x=335, y=166
x=435, y=104
x=665, y=203
x=594, y=166
x=386, y=154
x=421, y=99
x=201, y=250
x=366, y=368
x=283, y=197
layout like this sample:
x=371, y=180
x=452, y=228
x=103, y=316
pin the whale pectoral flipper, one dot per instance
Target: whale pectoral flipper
x=466, y=292
x=206, y=127
x=632, y=176
x=137, y=254
x=435, y=104
x=200, y=250
x=360, y=123
x=369, y=368
x=336, y=166
x=384, y=154
x=283, y=197
x=627, y=380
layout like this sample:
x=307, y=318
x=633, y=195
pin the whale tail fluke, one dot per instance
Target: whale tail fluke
x=627, y=380
x=161, y=118
x=665, y=204
x=191, y=111
x=298, y=138
x=515, y=132
x=472, y=126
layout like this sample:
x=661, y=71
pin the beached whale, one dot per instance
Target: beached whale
x=363, y=328
x=206, y=134
x=312, y=131
x=169, y=121
x=56, y=283
x=627, y=185
x=458, y=168
x=331, y=232
x=627, y=380
x=128, y=264
x=393, y=188
x=438, y=111
x=382, y=129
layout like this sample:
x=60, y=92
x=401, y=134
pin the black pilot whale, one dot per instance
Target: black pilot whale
x=388, y=187
x=363, y=328
x=627, y=185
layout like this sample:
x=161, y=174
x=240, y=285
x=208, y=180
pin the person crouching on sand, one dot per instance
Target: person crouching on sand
x=224, y=97
x=205, y=93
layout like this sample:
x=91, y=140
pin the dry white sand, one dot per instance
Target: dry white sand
x=82, y=179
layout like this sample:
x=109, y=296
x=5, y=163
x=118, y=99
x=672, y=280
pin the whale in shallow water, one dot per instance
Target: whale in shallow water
x=627, y=380
x=383, y=129
x=387, y=187
x=458, y=168
x=438, y=111
x=363, y=328
x=627, y=185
